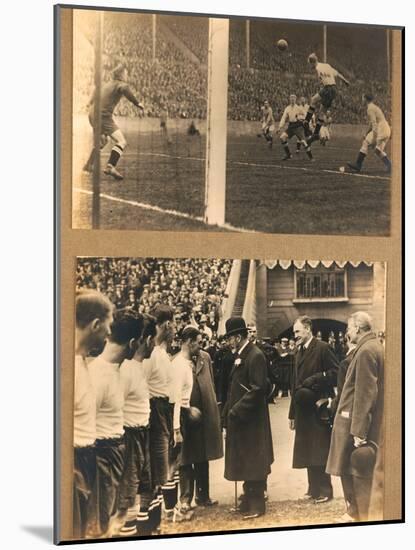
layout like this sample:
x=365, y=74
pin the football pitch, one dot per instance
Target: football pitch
x=163, y=187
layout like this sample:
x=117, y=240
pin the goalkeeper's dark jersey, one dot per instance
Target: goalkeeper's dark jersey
x=112, y=92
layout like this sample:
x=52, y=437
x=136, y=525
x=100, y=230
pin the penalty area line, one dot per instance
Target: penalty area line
x=153, y=208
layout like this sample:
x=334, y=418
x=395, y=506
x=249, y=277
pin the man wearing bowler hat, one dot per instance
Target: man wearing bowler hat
x=314, y=378
x=357, y=424
x=248, y=450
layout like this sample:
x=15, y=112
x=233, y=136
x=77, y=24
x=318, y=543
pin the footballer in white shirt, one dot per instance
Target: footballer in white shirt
x=377, y=136
x=267, y=123
x=323, y=99
x=292, y=115
x=93, y=325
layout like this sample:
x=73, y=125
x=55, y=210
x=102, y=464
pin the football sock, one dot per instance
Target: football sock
x=154, y=514
x=384, y=158
x=308, y=152
x=169, y=490
x=129, y=527
x=309, y=114
x=298, y=145
x=286, y=149
x=319, y=124
x=115, y=155
x=387, y=163
x=360, y=159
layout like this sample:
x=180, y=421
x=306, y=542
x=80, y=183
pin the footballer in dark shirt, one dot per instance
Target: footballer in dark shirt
x=111, y=94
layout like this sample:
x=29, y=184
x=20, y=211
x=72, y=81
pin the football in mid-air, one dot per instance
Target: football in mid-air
x=282, y=44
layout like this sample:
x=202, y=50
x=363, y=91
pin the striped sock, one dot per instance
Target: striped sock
x=115, y=155
x=170, y=491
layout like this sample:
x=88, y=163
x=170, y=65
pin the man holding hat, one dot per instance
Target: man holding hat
x=249, y=450
x=314, y=378
x=357, y=424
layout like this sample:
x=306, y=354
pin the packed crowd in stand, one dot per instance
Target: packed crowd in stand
x=175, y=82
x=248, y=88
x=192, y=31
x=193, y=288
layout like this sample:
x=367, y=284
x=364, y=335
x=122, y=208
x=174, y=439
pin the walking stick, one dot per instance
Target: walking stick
x=236, y=495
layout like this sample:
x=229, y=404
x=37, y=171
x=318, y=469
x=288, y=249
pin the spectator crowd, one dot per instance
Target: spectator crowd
x=174, y=81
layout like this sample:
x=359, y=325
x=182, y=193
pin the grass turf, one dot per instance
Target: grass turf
x=262, y=192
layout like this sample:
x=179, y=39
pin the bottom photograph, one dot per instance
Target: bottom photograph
x=217, y=395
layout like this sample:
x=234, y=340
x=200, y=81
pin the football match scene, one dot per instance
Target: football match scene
x=193, y=123
x=217, y=395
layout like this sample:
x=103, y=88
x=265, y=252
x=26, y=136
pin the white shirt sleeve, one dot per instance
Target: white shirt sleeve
x=125, y=380
x=175, y=391
x=97, y=380
x=283, y=118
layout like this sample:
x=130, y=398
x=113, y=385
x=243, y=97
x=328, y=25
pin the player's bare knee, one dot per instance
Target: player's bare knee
x=283, y=138
x=122, y=143
x=365, y=147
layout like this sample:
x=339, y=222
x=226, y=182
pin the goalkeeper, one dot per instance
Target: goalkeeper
x=111, y=94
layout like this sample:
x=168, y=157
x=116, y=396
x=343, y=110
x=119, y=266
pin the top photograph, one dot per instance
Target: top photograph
x=193, y=123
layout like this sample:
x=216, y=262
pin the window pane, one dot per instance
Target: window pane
x=320, y=283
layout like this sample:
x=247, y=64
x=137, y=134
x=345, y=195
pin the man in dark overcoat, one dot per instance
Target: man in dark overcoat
x=248, y=449
x=314, y=378
x=202, y=440
x=357, y=424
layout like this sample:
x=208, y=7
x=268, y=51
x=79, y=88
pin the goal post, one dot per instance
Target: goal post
x=216, y=121
x=96, y=176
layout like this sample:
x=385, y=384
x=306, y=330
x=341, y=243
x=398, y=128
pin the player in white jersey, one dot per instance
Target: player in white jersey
x=136, y=490
x=323, y=99
x=377, y=136
x=104, y=371
x=325, y=130
x=292, y=116
x=267, y=123
x=93, y=312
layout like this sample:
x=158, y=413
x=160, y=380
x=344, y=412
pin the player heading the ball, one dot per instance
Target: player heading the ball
x=111, y=94
x=323, y=99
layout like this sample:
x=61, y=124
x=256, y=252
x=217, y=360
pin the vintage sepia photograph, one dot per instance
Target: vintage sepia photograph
x=214, y=395
x=232, y=124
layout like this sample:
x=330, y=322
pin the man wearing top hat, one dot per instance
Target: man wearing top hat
x=357, y=424
x=248, y=450
x=314, y=378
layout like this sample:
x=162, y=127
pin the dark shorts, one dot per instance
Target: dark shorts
x=108, y=124
x=327, y=95
x=161, y=434
x=295, y=129
x=83, y=483
x=162, y=124
x=104, y=499
x=136, y=477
